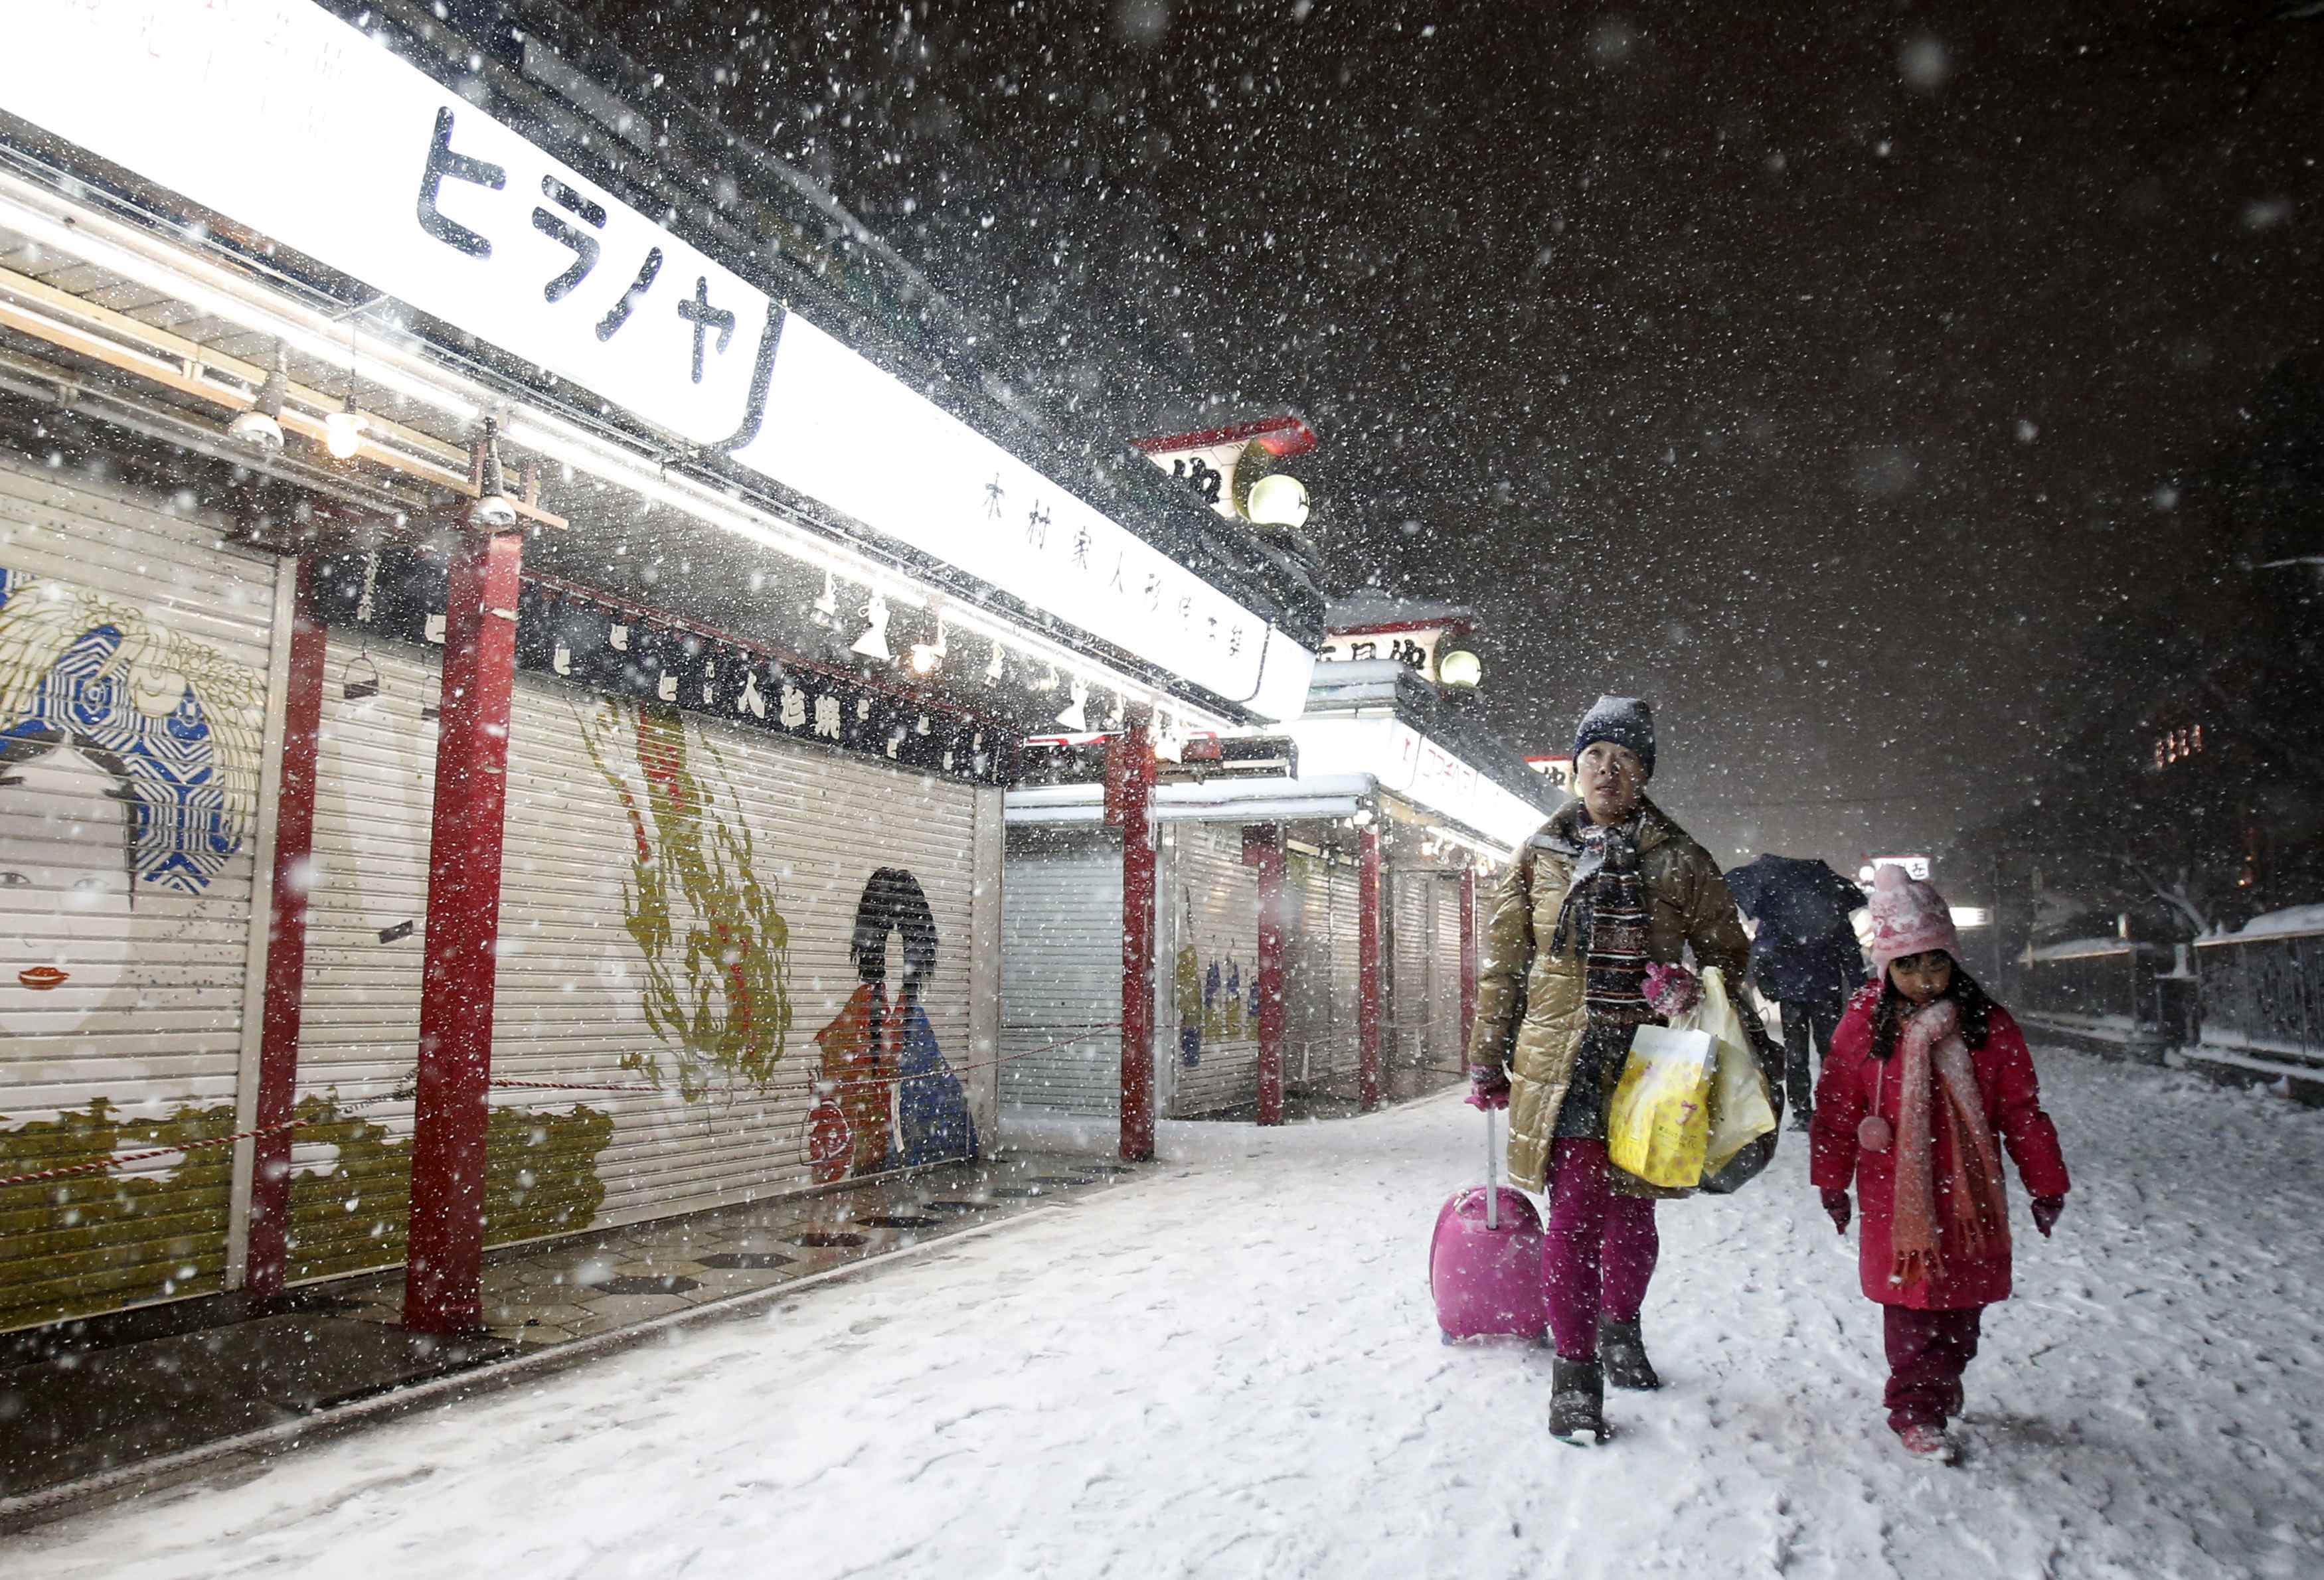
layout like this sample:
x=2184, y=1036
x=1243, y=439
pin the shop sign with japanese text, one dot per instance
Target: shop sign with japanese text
x=283, y=118
x=1414, y=649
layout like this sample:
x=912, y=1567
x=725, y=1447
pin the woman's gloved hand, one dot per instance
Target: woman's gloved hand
x=1673, y=990
x=1836, y=1206
x=2046, y=1209
x=1488, y=1085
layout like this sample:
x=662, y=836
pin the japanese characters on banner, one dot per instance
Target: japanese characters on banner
x=1558, y=770
x=567, y=633
x=321, y=138
x=317, y=136
x=1414, y=649
x=836, y=427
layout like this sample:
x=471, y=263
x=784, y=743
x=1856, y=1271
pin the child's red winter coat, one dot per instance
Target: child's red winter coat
x=1846, y=1093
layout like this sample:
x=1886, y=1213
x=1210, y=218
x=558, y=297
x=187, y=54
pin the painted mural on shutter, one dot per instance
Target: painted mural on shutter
x=680, y=964
x=733, y=919
x=134, y=662
x=1410, y=977
x=1213, y=1033
x=1061, y=970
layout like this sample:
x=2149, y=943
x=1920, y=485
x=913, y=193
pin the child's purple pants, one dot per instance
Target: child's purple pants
x=1928, y=1351
x=1599, y=1251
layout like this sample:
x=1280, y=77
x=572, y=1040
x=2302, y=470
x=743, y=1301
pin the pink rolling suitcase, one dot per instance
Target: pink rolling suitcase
x=1484, y=1261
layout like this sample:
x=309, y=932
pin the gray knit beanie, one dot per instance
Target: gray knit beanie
x=1624, y=720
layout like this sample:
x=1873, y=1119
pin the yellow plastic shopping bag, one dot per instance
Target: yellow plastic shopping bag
x=1660, y=1121
x=1739, y=1111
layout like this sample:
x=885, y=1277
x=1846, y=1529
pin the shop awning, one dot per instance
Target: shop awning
x=1323, y=795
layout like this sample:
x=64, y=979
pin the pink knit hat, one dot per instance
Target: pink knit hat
x=1909, y=917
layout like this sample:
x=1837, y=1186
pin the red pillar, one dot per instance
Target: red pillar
x=444, y=1275
x=1467, y=951
x=1368, y=970
x=1129, y=794
x=1262, y=847
x=286, y=949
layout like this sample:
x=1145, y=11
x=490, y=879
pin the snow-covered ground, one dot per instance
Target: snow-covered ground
x=1232, y=1370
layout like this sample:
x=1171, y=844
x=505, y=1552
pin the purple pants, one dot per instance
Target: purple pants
x=1599, y=1251
x=1928, y=1351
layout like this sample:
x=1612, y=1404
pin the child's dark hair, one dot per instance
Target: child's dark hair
x=1976, y=1010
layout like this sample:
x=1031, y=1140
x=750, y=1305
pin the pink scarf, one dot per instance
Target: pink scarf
x=1936, y=1085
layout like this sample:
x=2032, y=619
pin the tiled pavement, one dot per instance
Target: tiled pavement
x=613, y=1278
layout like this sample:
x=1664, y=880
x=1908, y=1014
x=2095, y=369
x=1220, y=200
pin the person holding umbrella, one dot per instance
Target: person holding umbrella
x=1805, y=958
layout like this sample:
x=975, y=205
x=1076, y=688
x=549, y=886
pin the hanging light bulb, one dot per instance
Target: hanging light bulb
x=261, y=428
x=1076, y=716
x=1115, y=720
x=927, y=657
x=494, y=510
x=827, y=607
x=342, y=430
x=873, y=642
x=993, y=670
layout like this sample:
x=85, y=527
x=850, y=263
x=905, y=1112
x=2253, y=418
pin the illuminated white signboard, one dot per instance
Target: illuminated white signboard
x=842, y=431
x=279, y=115
x=283, y=117
x=1558, y=770
x=1409, y=763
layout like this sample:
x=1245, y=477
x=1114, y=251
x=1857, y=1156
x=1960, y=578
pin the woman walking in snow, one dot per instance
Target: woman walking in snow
x=1585, y=932
x=1926, y=1077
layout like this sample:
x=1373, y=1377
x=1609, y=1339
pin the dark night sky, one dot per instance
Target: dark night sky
x=1822, y=372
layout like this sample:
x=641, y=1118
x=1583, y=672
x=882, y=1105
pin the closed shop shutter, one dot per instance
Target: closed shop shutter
x=1314, y=1021
x=1061, y=970
x=1412, y=973
x=678, y=900
x=136, y=664
x=1448, y=1038
x=1347, y=970
x=1216, y=901
x=366, y=921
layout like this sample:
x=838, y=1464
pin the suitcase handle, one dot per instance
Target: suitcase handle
x=1492, y=1183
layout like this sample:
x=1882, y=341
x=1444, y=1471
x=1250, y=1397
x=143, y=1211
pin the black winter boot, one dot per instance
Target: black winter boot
x=1577, y=1402
x=1623, y=1350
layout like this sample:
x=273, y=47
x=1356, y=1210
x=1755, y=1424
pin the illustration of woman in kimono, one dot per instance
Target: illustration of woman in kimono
x=892, y=1101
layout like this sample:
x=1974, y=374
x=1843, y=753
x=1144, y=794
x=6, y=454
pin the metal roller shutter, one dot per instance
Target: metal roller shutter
x=636, y=841
x=1061, y=970
x=1448, y=1039
x=1215, y=898
x=1313, y=1021
x=640, y=840
x=136, y=677
x=1411, y=974
x=1347, y=971
x=366, y=921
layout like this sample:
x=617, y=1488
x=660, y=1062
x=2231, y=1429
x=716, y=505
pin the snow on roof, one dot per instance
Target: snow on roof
x=2078, y=949
x=1370, y=607
x=2291, y=919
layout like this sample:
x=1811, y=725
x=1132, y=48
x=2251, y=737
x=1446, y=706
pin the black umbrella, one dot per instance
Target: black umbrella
x=1806, y=947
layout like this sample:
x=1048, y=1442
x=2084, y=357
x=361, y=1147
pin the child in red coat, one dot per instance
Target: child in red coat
x=1926, y=1079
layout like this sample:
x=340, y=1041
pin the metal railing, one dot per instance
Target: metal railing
x=2262, y=995
x=2112, y=988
